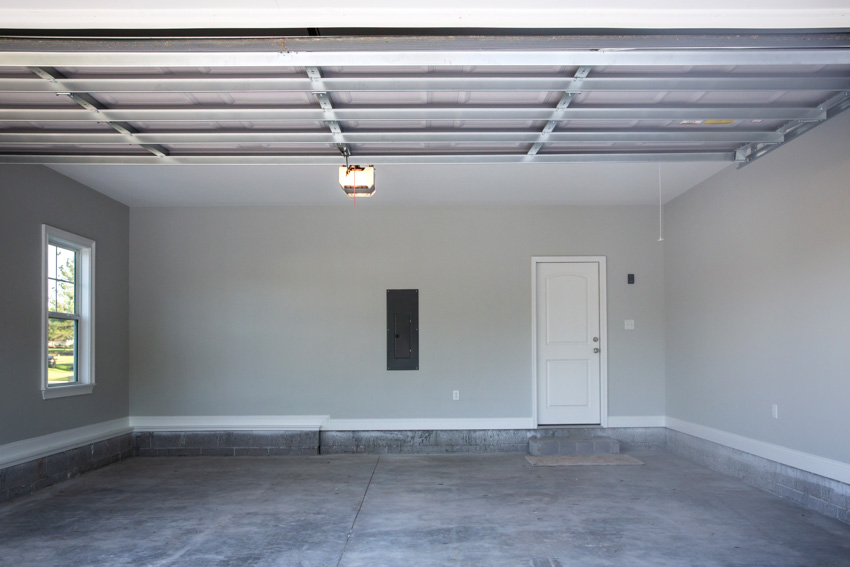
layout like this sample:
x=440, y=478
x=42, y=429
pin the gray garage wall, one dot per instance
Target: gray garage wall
x=281, y=311
x=758, y=309
x=30, y=196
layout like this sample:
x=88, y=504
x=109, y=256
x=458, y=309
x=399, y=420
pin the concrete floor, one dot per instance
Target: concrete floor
x=419, y=510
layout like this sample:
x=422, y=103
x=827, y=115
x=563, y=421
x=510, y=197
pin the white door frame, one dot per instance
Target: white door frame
x=603, y=330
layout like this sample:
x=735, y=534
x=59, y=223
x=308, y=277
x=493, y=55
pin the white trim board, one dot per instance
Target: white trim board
x=25, y=450
x=227, y=422
x=822, y=466
x=425, y=424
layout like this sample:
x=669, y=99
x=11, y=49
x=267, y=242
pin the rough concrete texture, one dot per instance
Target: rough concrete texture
x=34, y=475
x=630, y=438
x=424, y=510
x=559, y=445
x=425, y=442
x=823, y=495
x=279, y=443
x=226, y=443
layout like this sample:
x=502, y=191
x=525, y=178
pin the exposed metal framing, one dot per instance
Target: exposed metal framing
x=204, y=113
x=401, y=159
x=324, y=99
x=431, y=57
x=419, y=39
x=625, y=132
x=419, y=83
x=565, y=101
x=390, y=137
x=751, y=152
x=124, y=131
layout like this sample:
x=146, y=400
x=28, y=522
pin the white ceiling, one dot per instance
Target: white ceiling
x=603, y=14
x=498, y=184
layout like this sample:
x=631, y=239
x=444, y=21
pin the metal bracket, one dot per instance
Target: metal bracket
x=794, y=129
x=324, y=99
x=91, y=104
x=565, y=101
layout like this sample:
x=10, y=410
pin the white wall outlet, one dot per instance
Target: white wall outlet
x=455, y=395
x=630, y=324
x=775, y=411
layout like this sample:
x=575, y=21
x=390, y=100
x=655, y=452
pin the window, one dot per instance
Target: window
x=67, y=314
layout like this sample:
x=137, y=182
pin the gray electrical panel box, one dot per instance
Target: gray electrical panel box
x=402, y=329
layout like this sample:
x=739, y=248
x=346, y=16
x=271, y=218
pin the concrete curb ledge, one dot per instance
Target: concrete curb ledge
x=71, y=457
x=260, y=443
x=27, y=477
x=824, y=495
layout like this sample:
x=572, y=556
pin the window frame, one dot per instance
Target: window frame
x=84, y=249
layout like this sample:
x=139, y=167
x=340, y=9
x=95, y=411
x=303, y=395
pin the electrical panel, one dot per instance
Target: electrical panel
x=402, y=329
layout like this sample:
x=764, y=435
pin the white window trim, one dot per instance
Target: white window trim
x=85, y=333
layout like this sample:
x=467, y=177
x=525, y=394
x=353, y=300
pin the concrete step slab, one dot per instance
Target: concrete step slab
x=550, y=446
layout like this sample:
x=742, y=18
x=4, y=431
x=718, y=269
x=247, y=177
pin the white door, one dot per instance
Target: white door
x=569, y=343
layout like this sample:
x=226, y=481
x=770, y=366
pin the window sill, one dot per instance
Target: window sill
x=65, y=391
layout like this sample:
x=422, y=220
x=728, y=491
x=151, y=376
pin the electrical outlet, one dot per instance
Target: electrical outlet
x=775, y=411
x=455, y=395
x=630, y=324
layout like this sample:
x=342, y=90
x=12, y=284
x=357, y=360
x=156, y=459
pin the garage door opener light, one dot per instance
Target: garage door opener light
x=356, y=180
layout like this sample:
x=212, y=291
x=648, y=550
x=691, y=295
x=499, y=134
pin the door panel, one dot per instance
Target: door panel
x=566, y=383
x=565, y=296
x=568, y=369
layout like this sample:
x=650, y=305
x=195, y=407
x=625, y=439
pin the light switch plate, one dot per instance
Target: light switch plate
x=630, y=324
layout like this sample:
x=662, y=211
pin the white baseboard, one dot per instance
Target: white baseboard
x=822, y=466
x=227, y=422
x=19, y=452
x=637, y=421
x=427, y=424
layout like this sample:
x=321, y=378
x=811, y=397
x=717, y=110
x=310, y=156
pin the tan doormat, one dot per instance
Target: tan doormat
x=581, y=460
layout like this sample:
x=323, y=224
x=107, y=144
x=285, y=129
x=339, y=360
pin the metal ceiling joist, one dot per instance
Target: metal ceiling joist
x=832, y=107
x=454, y=136
x=124, y=131
x=435, y=159
x=565, y=101
x=420, y=83
x=422, y=112
x=431, y=57
x=443, y=40
x=750, y=78
x=320, y=92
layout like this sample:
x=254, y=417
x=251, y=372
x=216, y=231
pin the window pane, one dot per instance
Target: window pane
x=61, y=351
x=51, y=295
x=65, y=298
x=65, y=260
x=61, y=273
x=51, y=261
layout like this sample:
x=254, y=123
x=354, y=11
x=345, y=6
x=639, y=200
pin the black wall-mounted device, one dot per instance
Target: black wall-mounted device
x=631, y=278
x=402, y=329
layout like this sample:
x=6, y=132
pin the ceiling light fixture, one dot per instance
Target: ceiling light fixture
x=356, y=180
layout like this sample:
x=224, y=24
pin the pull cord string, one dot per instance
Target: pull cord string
x=660, y=209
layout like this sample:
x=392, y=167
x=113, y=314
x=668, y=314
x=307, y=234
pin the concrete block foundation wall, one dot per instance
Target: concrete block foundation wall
x=824, y=495
x=425, y=442
x=280, y=443
x=25, y=478
x=226, y=443
x=811, y=491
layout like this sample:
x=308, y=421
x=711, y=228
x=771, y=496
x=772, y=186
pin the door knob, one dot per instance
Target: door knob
x=596, y=339
x=596, y=350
